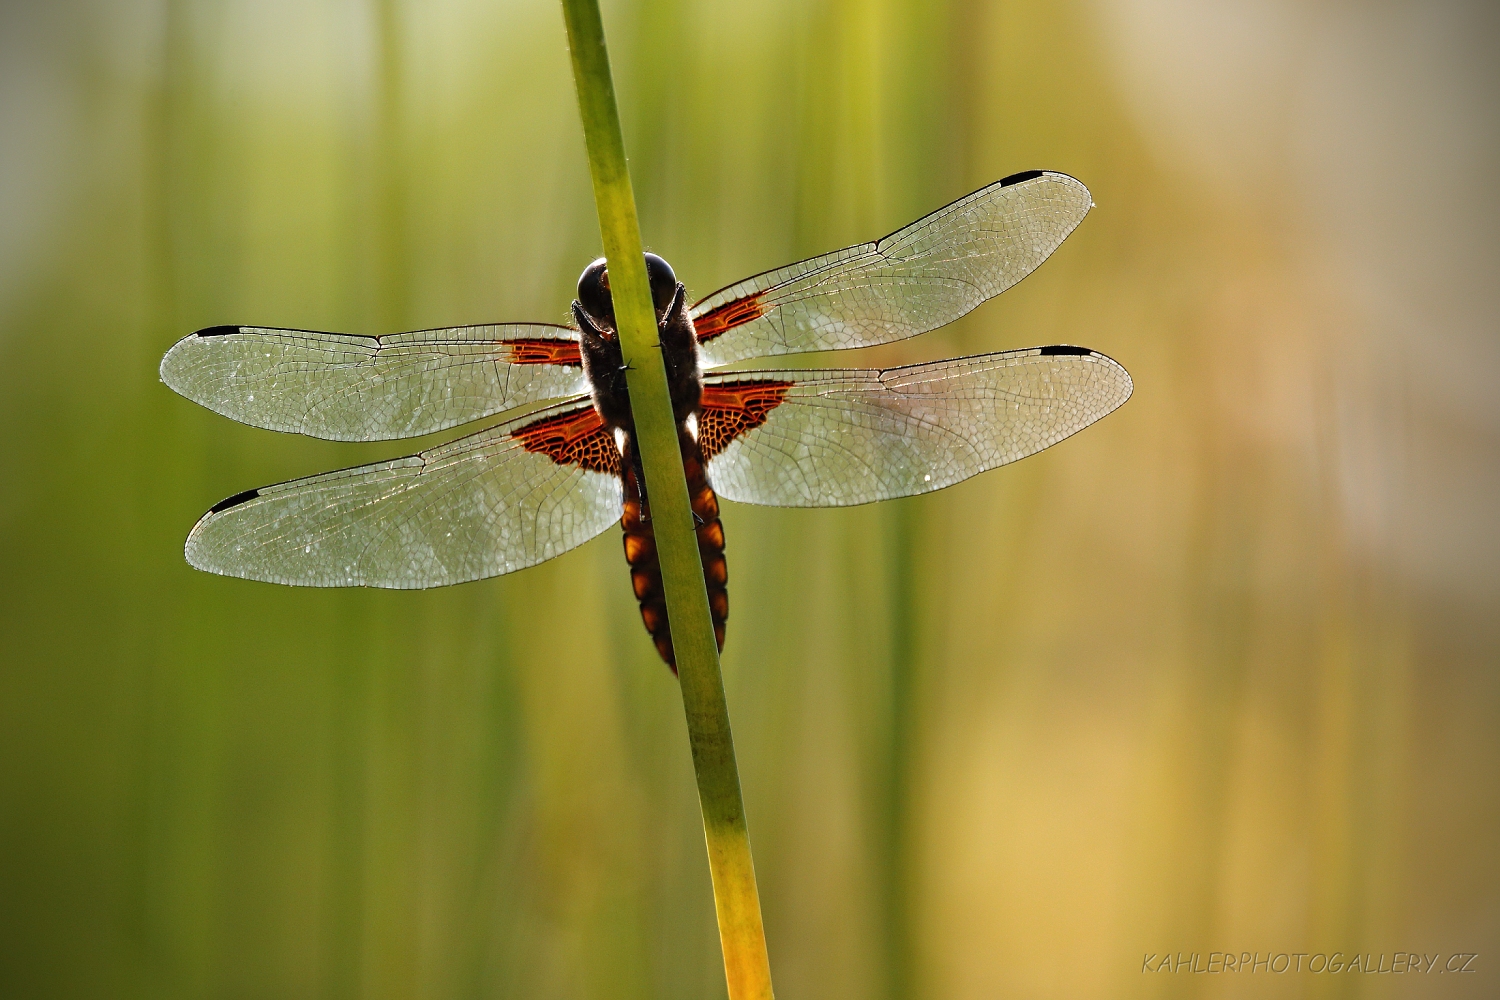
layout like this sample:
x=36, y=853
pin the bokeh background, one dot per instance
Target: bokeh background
x=1219, y=674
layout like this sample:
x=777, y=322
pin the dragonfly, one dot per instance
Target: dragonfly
x=533, y=486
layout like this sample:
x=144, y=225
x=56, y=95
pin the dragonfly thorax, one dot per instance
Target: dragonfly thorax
x=603, y=361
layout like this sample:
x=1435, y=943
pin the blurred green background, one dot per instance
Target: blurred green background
x=1218, y=674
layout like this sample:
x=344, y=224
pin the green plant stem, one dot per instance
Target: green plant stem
x=736, y=899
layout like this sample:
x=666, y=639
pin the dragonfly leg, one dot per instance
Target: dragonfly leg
x=640, y=485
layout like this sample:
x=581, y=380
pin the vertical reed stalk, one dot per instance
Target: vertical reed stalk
x=736, y=899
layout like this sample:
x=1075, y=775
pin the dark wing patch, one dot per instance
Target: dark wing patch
x=234, y=501
x=217, y=331
x=543, y=351
x=578, y=437
x=1024, y=175
x=1065, y=349
x=726, y=317
x=729, y=409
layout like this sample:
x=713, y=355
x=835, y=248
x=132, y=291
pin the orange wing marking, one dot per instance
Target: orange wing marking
x=577, y=437
x=543, y=351
x=730, y=409
x=728, y=316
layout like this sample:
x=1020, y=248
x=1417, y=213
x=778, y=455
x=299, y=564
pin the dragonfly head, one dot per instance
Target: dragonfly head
x=594, y=294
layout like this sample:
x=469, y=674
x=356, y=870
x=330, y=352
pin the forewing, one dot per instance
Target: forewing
x=834, y=438
x=916, y=279
x=490, y=503
x=350, y=388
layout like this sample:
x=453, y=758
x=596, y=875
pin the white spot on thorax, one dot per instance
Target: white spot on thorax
x=691, y=423
x=620, y=438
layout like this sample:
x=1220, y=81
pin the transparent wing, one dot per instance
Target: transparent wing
x=834, y=438
x=490, y=503
x=350, y=388
x=916, y=279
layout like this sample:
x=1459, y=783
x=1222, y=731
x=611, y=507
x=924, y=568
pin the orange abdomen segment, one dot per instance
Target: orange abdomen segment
x=645, y=568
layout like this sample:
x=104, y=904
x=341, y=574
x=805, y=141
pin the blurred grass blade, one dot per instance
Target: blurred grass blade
x=736, y=899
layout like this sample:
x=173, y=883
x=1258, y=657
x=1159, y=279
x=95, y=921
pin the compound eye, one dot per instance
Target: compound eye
x=593, y=294
x=663, y=282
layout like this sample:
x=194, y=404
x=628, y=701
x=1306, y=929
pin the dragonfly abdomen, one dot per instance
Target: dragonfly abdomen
x=645, y=567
